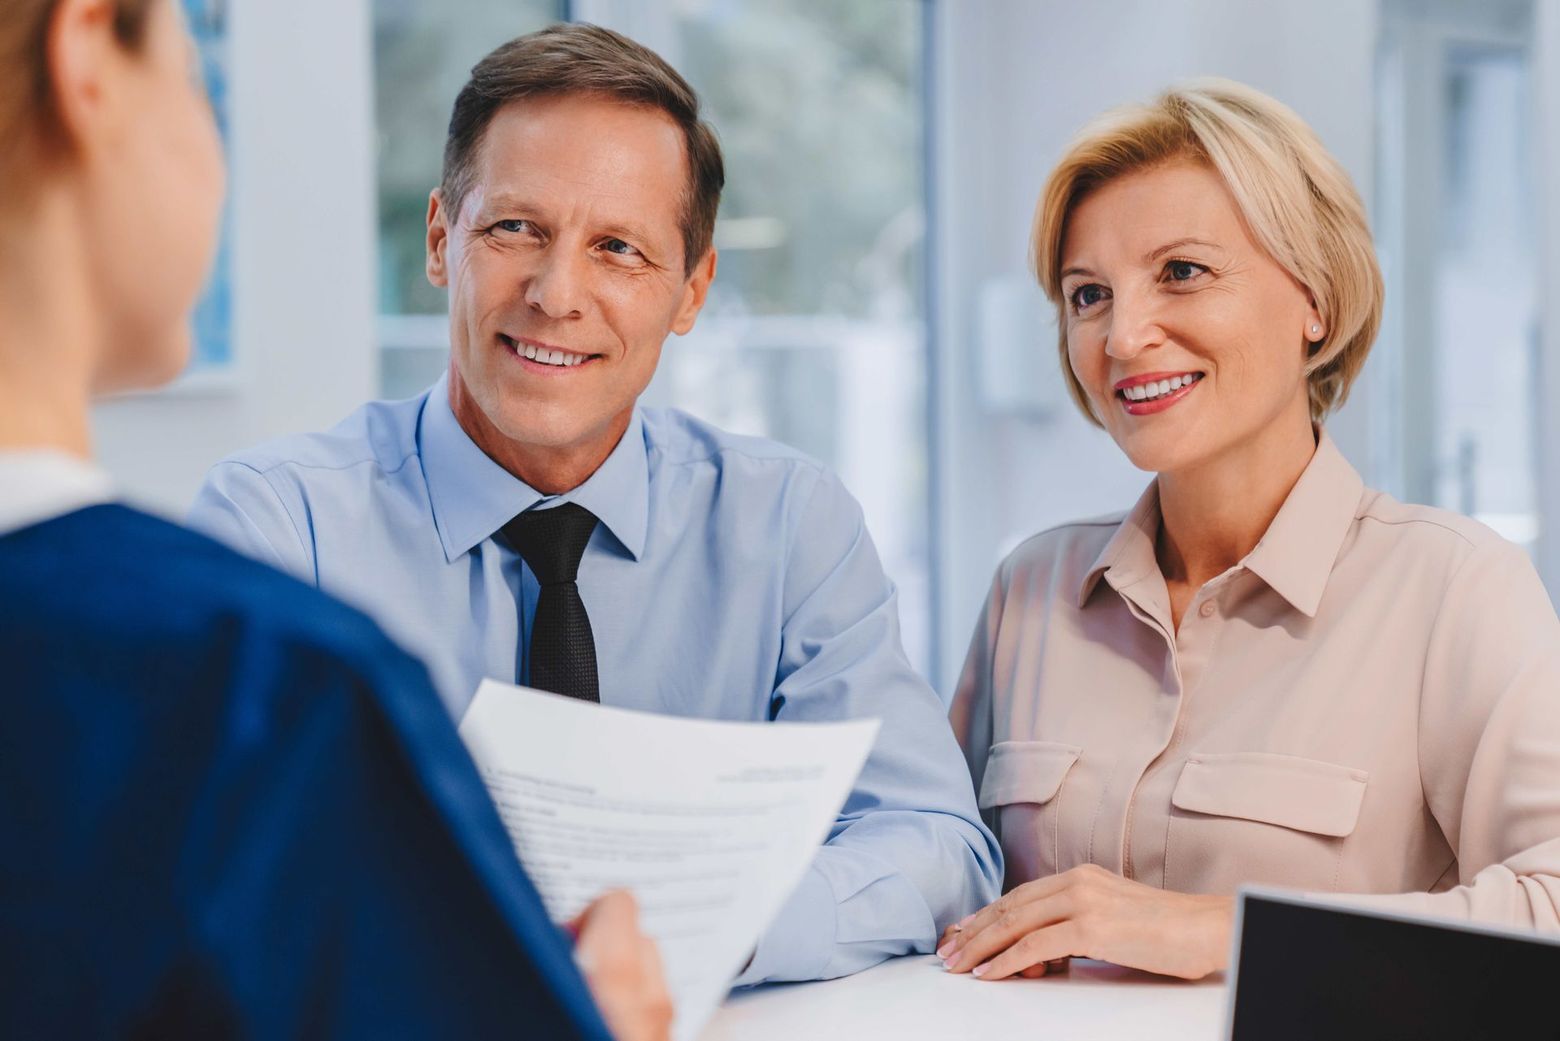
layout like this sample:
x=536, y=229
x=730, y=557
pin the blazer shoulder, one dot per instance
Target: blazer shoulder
x=115, y=569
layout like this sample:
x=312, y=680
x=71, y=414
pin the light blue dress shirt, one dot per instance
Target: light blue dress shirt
x=729, y=578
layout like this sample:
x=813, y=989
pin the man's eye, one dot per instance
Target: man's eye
x=1086, y=296
x=619, y=247
x=514, y=227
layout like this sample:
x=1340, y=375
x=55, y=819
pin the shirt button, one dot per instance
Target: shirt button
x=1207, y=609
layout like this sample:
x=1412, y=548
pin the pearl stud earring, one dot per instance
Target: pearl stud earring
x=1315, y=329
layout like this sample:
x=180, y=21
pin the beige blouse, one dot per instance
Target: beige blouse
x=1368, y=703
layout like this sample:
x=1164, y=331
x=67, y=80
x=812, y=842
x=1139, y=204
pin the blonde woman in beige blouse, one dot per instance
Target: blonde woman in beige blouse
x=1265, y=672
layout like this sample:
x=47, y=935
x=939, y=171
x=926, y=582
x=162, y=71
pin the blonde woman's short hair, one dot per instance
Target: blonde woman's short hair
x=1295, y=198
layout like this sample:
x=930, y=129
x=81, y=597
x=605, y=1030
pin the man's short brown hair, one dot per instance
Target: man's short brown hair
x=587, y=59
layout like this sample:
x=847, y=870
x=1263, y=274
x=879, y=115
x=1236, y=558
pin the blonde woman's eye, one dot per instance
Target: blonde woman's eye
x=1086, y=296
x=1183, y=270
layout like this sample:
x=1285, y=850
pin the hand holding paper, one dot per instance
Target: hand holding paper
x=709, y=824
x=623, y=969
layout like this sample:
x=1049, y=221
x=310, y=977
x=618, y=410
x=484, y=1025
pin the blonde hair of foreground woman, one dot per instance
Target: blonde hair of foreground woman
x=1296, y=200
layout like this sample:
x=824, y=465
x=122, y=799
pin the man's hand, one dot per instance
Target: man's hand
x=623, y=969
x=1090, y=912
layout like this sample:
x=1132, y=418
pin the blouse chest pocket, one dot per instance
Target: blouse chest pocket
x=1020, y=796
x=1260, y=817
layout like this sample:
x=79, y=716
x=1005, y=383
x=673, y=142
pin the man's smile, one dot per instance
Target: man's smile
x=537, y=355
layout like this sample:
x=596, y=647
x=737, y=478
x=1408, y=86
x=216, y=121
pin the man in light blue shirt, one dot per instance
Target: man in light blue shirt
x=683, y=570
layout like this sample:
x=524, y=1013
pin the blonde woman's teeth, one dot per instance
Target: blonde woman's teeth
x=1151, y=391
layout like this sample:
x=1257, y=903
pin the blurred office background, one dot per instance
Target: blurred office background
x=872, y=305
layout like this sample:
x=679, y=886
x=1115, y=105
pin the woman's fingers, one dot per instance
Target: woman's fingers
x=1085, y=876
x=1046, y=968
x=1089, y=912
x=1005, y=929
x=1027, y=893
x=1036, y=950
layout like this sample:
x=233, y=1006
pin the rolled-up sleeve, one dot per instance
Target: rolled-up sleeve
x=1489, y=744
x=908, y=853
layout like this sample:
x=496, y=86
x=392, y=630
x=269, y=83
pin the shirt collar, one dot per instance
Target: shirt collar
x=1296, y=555
x=37, y=485
x=473, y=497
x=1129, y=555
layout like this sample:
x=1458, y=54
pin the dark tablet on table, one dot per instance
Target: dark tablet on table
x=1307, y=968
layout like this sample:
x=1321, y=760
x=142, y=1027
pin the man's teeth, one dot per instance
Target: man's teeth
x=550, y=357
x=1153, y=391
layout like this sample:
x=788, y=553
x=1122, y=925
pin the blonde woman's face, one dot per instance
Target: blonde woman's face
x=1189, y=339
x=153, y=178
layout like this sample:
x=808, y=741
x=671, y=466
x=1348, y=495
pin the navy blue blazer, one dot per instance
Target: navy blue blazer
x=231, y=807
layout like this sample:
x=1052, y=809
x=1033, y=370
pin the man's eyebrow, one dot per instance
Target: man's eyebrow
x=631, y=232
x=1171, y=247
x=502, y=202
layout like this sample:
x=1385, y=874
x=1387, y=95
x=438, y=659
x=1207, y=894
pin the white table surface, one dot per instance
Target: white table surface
x=909, y=998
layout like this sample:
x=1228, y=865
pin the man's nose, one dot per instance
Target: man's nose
x=1134, y=326
x=556, y=286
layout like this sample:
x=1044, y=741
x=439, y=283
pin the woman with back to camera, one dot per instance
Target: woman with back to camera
x=231, y=807
x=1265, y=672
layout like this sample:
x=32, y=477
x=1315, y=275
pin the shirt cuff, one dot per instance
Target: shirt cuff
x=800, y=941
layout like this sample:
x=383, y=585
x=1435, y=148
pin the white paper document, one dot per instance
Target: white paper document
x=710, y=824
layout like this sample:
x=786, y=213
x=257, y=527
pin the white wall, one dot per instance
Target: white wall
x=1547, y=50
x=303, y=194
x=1015, y=80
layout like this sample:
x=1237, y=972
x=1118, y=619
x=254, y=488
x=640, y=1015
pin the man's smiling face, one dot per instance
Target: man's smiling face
x=566, y=273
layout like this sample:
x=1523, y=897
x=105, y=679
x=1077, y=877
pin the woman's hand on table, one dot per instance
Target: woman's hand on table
x=1090, y=912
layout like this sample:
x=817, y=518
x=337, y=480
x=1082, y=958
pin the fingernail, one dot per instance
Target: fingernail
x=980, y=970
x=946, y=949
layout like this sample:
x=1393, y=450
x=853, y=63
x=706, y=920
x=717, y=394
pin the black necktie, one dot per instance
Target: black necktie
x=563, y=650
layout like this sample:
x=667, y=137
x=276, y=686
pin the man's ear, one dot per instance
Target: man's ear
x=438, y=241
x=83, y=57
x=694, y=294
